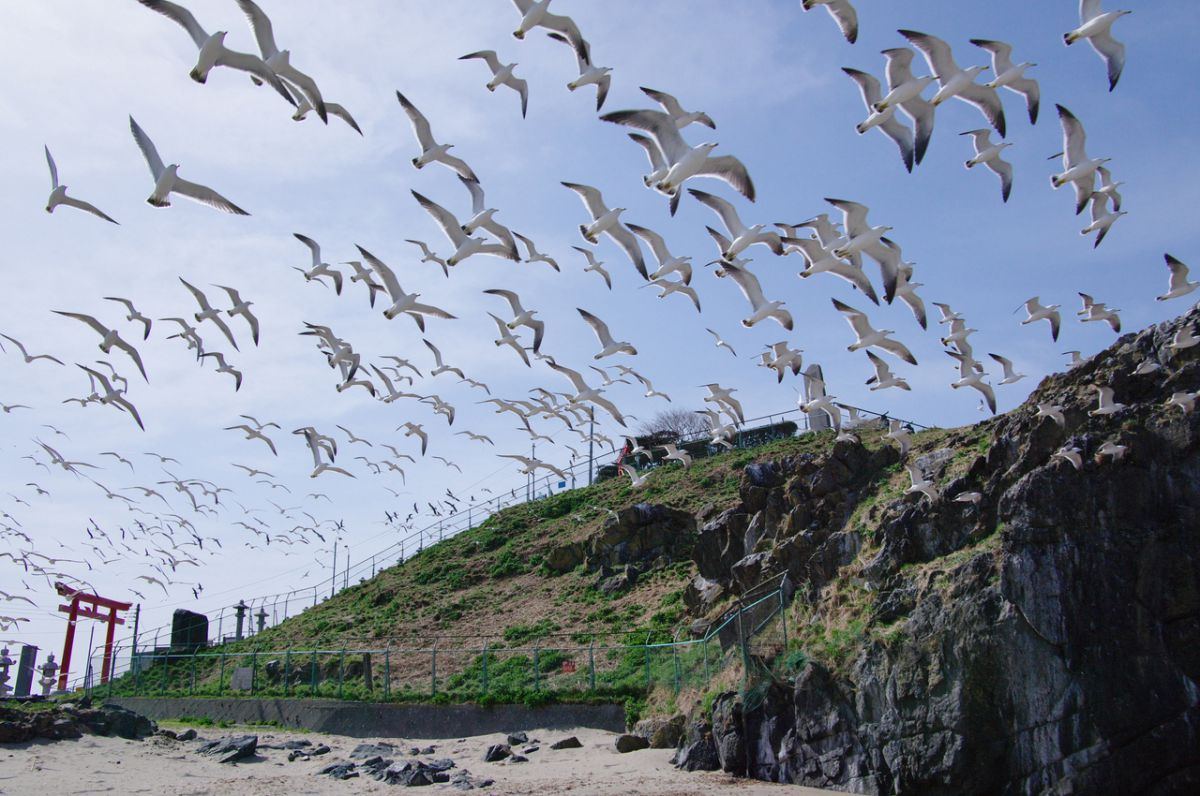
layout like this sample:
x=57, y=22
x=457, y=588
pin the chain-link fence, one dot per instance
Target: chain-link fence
x=748, y=636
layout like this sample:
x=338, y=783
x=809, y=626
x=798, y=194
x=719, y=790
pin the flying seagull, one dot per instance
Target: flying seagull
x=280, y=60
x=58, y=194
x=1011, y=76
x=213, y=51
x=111, y=338
x=988, y=154
x=885, y=120
x=1095, y=25
x=431, y=150
x=166, y=181
x=842, y=12
x=502, y=75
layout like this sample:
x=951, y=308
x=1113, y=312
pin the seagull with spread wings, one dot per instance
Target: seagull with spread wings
x=167, y=181
x=58, y=194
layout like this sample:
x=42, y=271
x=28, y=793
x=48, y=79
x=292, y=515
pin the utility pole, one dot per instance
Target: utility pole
x=333, y=576
x=346, y=573
x=591, y=441
x=137, y=615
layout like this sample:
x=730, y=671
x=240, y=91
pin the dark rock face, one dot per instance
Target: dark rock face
x=697, y=751
x=1046, y=639
x=661, y=733
x=71, y=720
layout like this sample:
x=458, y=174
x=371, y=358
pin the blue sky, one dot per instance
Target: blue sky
x=768, y=73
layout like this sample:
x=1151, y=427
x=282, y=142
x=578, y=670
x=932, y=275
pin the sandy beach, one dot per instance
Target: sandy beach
x=165, y=767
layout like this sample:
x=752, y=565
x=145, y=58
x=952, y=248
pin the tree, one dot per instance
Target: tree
x=682, y=423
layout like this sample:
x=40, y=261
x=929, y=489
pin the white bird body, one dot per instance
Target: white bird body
x=1112, y=450
x=674, y=454
x=1011, y=75
x=1184, y=338
x=589, y=73
x=1078, y=168
x=868, y=336
x=609, y=345
x=761, y=308
x=1184, y=400
x=431, y=150
x=606, y=220
x=675, y=110
x=884, y=377
x=521, y=316
x=741, y=237
x=1095, y=25
x=843, y=14
x=1036, y=312
x=167, y=181
x=899, y=434
x=885, y=120
x=401, y=301
x=904, y=91
x=988, y=154
x=955, y=81
x=922, y=484
x=1102, y=217
x=58, y=194
x=1105, y=405
x=502, y=75
x=636, y=481
x=1052, y=411
x=466, y=246
x=1070, y=455
x=1179, y=285
x=1011, y=376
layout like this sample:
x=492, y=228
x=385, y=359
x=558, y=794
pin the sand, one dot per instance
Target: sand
x=163, y=767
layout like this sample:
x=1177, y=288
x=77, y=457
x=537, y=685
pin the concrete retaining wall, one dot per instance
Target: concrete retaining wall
x=369, y=719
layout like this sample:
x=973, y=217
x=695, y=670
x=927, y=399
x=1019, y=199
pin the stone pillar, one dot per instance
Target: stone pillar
x=261, y=616
x=48, y=669
x=25, y=671
x=240, y=609
x=5, y=663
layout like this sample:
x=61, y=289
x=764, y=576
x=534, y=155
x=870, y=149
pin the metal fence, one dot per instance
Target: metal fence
x=563, y=666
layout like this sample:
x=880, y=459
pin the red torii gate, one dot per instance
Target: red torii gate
x=91, y=612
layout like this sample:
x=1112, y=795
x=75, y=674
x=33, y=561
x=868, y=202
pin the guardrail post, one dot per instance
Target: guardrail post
x=537, y=680
x=675, y=656
x=783, y=620
x=341, y=671
x=745, y=645
x=433, y=670
x=287, y=672
x=704, y=649
x=646, y=658
x=387, y=671
x=483, y=669
x=592, y=663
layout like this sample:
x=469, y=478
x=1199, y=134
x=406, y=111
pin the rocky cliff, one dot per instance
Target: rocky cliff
x=1044, y=639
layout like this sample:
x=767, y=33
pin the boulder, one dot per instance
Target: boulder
x=517, y=738
x=228, y=750
x=661, y=733
x=497, y=752
x=570, y=742
x=630, y=743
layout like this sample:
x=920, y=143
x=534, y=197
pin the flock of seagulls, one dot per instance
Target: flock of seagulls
x=162, y=528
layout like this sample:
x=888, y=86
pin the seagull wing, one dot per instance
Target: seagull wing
x=897, y=348
x=514, y=301
x=854, y=216
x=593, y=200
x=1113, y=53
x=988, y=102
x=419, y=123
x=444, y=218
x=206, y=195
x=658, y=124
x=882, y=371
x=437, y=355
x=625, y=239
x=668, y=102
x=1179, y=272
x=921, y=111
x=386, y=274
x=657, y=244
x=732, y=171
x=609, y=407
x=857, y=319
x=1074, y=137
x=598, y=326
x=264, y=33
x=88, y=207
x=53, y=169
x=181, y=16
x=653, y=152
x=937, y=53
x=748, y=283
x=727, y=212
x=146, y=145
x=1005, y=170
x=575, y=378
x=489, y=56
